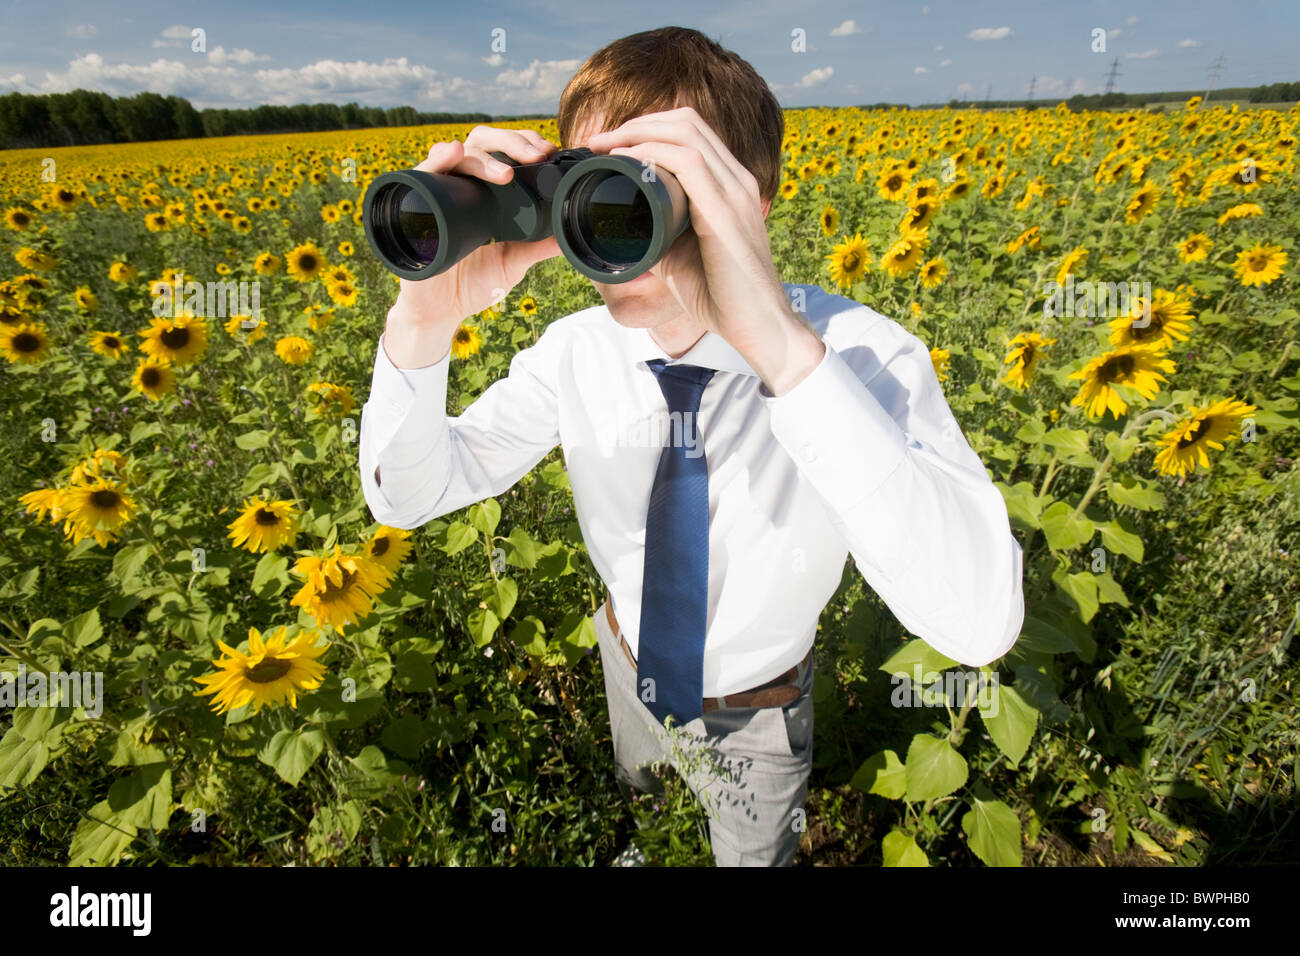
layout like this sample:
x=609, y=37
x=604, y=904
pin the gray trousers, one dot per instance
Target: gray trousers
x=747, y=765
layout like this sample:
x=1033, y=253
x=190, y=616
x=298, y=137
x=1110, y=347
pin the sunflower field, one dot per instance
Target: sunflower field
x=282, y=681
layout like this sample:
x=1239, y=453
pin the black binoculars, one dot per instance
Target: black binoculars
x=613, y=216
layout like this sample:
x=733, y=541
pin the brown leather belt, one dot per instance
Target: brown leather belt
x=777, y=692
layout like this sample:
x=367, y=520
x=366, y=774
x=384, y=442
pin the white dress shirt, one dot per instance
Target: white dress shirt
x=861, y=457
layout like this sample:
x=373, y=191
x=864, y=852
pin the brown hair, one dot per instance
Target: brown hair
x=671, y=67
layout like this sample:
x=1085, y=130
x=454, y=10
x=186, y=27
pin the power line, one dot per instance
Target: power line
x=1032, y=83
x=1112, y=75
x=1215, y=69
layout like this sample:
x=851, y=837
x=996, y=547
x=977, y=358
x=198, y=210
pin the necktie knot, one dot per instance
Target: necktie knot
x=682, y=385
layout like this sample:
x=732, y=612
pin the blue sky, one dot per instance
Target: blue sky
x=440, y=56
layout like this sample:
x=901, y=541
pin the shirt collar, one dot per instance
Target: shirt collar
x=711, y=351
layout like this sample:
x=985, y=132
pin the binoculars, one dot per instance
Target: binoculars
x=613, y=217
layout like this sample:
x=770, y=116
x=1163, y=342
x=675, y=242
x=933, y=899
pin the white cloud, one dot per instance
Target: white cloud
x=990, y=33
x=1189, y=43
x=496, y=59
x=920, y=69
x=965, y=89
x=219, y=57
x=1112, y=34
x=176, y=35
x=847, y=28
x=1145, y=55
x=939, y=48
x=925, y=11
x=1131, y=20
x=943, y=63
x=82, y=31
x=819, y=75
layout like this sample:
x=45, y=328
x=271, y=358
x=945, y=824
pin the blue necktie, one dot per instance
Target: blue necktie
x=674, y=595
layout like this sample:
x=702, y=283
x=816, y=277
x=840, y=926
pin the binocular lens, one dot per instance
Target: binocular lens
x=410, y=227
x=613, y=220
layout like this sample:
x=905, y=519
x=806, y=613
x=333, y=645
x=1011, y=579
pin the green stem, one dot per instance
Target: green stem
x=31, y=662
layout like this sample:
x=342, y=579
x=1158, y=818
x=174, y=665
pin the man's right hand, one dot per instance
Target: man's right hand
x=428, y=312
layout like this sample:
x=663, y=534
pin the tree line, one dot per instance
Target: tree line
x=1273, y=93
x=85, y=117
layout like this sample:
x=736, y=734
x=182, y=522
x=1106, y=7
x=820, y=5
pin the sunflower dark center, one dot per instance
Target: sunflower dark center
x=111, y=341
x=26, y=342
x=1121, y=366
x=462, y=336
x=150, y=377
x=175, y=338
x=105, y=499
x=307, y=262
x=267, y=670
x=379, y=548
x=1193, y=436
x=851, y=261
x=266, y=517
x=332, y=591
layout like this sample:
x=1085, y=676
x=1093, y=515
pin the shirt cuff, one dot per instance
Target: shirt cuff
x=842, y=439
x=409, y=404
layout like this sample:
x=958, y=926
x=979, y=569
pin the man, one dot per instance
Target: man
x=797, y=428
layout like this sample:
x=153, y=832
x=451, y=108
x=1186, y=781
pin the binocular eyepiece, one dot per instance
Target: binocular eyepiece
x=612, y=217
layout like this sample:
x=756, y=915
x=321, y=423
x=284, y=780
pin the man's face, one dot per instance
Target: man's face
x=645, y=302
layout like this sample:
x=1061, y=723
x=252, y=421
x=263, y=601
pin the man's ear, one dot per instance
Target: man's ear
x=767, y=207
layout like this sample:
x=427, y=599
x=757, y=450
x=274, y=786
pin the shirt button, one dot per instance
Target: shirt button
x=808, y=453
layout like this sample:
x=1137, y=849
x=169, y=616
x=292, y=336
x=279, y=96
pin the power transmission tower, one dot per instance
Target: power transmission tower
x=987, y=93
x=1112, y=75
x=1215, y=68
x=1032, y=83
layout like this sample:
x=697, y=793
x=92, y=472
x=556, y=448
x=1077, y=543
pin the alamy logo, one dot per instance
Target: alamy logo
x=210, y=299
x=948, y=689
x=1098, y=300
x=671, y=429
x=102, y=909
x=83, y=689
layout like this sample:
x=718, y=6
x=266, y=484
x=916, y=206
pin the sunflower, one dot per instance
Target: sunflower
x=63, y=198
x=830, y=220
x=939, y=358
x=789, y=189
x=893, y=184
x=1210, y=426
x=849, y=261
x=345, y=248
x=1136, y=366
x=18, y=219
x=1025, y=351
x=30, y=258
x=179, y=341
x=318, y=317
x=905, y=254
x=933, y=272
x=109, y=344
x=528, y=306
x=41, y=500
x=294, y=350
x=264, y=525
x=96, y=509
x=155, y=222
x=336, y=274
x=252, y=329
x=1260, y=265
x=120, y=272
x=1168, y=320
x=1029, y=237
x=1245, y=210
x=267, y=264
x=466, y=341
x=24, y=343
x=959, y=189
x=305, y=262
x=1070, y=263
x=1195, y=247
x=339, y=588
x=342, y=293
x=388, y=548
x=154, y=378
x=1143, y=201
x=93, y=466
x=918, y=215
x=272, y=672
x=86, y=300
x=329, y=213
x=331, y=399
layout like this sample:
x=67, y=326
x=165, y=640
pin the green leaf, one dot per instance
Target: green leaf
x=129, y=560
x=934, y=768
x=1010, y=721
x=482, y=625
x=529, y=636
x=21, y=760
x=1031, y=432
x=914, y=656
x=100, y=839
x=1122, y=541
x=1053, y=627
x=459, y=537
x=502, y=601
x=522, y=551
x=251, y=440
x=272, y=567
x=1062, y=531
x=1121, y=448
x=1081, y=588
x=333, y=830
x=882, y=774
x=899, y=849
x=993, y=831
x=1071, y=446
x=1132, y=493
x=85, y=629
x=292, y=752
x=142, y=430
x=1023, y=504
x=405, y=736
x=486, y=515
x=1109, y=591
x=576, y=633
x=143, y=799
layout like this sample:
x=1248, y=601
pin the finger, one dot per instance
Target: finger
x=515, y=143
x=683, y=127
x=442, y=157
x=709, y=198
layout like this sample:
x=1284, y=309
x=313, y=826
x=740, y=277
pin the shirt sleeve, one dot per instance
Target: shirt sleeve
x=870, y=430
x=417, y=463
